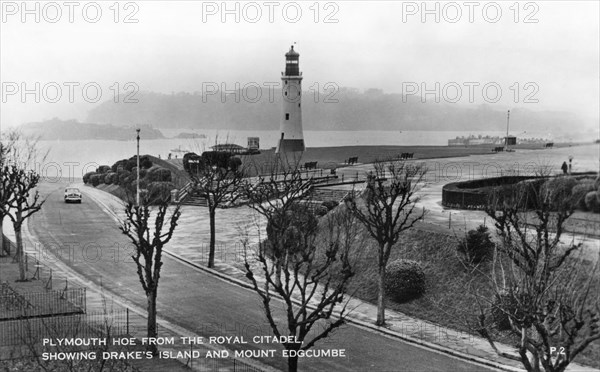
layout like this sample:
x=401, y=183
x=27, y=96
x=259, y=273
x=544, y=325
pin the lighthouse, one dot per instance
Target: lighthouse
x=290, y=129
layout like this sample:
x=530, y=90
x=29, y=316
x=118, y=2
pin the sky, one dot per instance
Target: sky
x=542, y=55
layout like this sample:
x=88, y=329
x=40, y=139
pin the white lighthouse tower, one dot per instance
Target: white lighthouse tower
x=290, y=136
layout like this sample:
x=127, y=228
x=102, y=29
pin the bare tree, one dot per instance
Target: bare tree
x=149, y=239
x=23, y=205
x=388, y=208
x=6, y=193
x=20, y=152
x=306, y=263
x=218, y=185
x=549, y=300
x=276, y=194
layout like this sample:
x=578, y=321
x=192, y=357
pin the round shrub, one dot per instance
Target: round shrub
x=122, y=177
x=143, y=184
x=159, y=191
x=143, y=171
x=558, y=190
x=95, y=179
x=130, y=163
x=110, y=178
x=330, y=204
x=477, y=245
x=235, y=163
x=119, y=166
x=86, y=177
x=321, y=211
x=592, y=201
x=579, y=192
x=405, y=280
x=103, y=169
x=158, y=174
x=288, y=228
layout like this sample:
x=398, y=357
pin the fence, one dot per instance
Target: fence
x=35, y=270
x=19, y=305
x=213, y=364
x=85, y=326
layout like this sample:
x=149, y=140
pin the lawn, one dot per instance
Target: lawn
x=449, y=300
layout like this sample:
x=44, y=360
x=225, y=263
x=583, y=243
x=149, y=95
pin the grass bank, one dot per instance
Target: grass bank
x=450, y=300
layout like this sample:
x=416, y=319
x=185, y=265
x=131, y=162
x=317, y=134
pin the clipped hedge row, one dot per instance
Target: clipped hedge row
x=475, y=194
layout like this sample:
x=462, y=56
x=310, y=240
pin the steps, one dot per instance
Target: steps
x=198, y=201
x=324, y=194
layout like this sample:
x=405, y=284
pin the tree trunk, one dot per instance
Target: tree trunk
x=293, y=362
x=152, y=320
x=381, y=296
x=20, y=254
x=2, y=239
x=211, y=252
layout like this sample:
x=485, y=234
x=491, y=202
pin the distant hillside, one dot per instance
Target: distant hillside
x=56, y=129
x=353, y=110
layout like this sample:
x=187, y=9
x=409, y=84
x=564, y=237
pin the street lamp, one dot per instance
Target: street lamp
x=570, y=163
x=137, y=186
x=506, y=138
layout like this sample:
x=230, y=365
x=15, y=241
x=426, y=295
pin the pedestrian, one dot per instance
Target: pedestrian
x=564, y=167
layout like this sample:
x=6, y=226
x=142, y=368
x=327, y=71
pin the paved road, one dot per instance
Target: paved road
x=90, y=242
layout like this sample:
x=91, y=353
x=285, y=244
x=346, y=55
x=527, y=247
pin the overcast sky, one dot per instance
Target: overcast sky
x=179, y=45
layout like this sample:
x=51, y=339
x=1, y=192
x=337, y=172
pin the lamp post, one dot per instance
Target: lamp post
x=570, y=163
x=137, y=184
x=506, y=138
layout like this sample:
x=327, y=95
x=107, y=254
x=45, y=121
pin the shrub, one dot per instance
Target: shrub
x=330, y=204
x=558, y=190
x=321, y=211
x=143, y=172
x=218, y=158
x=122, y=176
x=158, y=191
x=235, y=164
x=579, y=192
x=477, y=245
x=103, y=169
x=143, y=183
x=110, y=178
x=119, y=166
x=597, y=183
x=289, y=226
x=158, y=174
x=145, y=162
x=86, y=177
x=405, y=280
x=592, y=201
x=95, y=179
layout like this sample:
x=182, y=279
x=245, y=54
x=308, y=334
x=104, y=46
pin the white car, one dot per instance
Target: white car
x=72, y=194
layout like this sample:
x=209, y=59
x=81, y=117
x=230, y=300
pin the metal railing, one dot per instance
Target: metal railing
x=85, y=325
